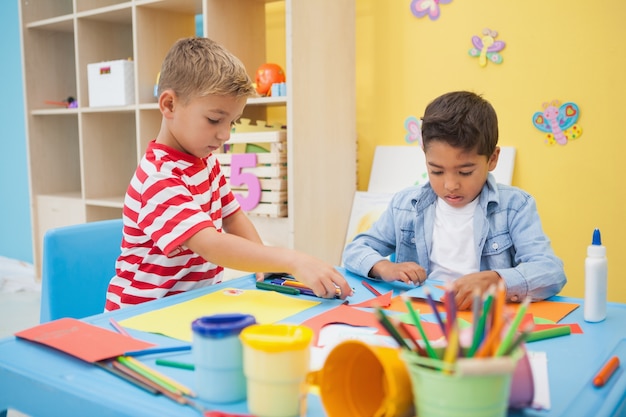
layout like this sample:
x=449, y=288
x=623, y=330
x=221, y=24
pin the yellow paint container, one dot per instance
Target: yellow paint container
x=275, y=363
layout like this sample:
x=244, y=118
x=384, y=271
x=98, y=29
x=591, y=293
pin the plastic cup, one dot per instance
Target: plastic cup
x=276, y=363
x=363, y=380
x=472, y=388
x=218, y=357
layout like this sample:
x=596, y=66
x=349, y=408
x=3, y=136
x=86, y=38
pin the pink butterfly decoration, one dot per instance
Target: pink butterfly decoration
x=421, y=8
x=413, y=127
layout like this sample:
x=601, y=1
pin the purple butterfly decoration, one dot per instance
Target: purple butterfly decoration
x=421, y=8
x=413, y=127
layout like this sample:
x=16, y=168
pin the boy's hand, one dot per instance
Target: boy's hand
x=321, y=277
x=407, y=272
x=465, y=285
x=260, y=276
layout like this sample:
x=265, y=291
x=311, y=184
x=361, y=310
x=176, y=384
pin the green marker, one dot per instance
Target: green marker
x=278, y=288
x=548, y=333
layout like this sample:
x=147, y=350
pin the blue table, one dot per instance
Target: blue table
x=40, y=381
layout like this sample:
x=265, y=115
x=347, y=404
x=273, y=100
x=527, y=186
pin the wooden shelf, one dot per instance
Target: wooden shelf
x=81, y=159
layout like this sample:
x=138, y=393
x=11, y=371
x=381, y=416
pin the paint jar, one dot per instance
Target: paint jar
x=276, y=362
x=218, y=357
x=471, y=387
x=358, y=380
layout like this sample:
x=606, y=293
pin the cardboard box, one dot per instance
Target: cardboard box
x=111, y=83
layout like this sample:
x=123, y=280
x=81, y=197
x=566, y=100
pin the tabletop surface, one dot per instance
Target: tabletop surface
x=40, y=381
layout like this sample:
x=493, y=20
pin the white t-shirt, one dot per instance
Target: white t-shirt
x=454, y=252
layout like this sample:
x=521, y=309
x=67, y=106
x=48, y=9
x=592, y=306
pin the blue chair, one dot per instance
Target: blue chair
x=78, y=263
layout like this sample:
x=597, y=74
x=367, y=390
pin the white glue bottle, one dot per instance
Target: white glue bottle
x=596, y=280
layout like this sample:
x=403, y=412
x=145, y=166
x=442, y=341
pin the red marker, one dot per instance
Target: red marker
x=603, y=376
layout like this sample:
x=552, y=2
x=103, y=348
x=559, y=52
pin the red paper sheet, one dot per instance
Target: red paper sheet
x=82, y=340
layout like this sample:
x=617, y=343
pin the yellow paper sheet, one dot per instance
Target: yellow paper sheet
x=175, y=321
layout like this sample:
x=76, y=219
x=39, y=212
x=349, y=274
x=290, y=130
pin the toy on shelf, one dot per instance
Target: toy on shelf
x=267, y=75
x=69, y=103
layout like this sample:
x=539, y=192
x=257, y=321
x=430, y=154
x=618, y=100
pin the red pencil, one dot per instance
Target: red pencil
x=609, y=368
x=369, y=287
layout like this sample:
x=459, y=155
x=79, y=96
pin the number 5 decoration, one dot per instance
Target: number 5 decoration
x=240, y=178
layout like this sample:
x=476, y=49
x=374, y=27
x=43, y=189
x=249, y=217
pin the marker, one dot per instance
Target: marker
x=548, y=333
x=278, y=288
x=175, y=364
x=609, y=368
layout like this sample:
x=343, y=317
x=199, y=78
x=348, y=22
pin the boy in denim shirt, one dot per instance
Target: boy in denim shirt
x=461, y=226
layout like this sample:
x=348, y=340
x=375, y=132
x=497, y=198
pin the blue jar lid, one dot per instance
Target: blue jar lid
x=222, y=325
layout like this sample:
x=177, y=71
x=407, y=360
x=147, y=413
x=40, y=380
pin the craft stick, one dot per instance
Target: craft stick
x=417, y=323
x=372, y=289
x=119, y=328
x=510, y=334
x=384, y=321
x=150, y=351
x=433, y=306
x=478, y=333
x=127, y=378
x=548, y=333
x=185, y=390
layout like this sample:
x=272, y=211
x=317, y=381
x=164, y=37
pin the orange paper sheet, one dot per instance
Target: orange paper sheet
x=82, y=340
x=550, y=310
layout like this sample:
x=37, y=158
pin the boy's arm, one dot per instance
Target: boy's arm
x=241, y=249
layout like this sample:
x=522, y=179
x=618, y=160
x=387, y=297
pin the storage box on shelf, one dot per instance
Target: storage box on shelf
x=81, y=159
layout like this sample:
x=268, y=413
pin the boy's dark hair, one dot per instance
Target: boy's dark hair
x=463, y=120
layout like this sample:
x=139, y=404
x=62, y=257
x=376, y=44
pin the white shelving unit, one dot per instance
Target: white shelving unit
x=81, y=159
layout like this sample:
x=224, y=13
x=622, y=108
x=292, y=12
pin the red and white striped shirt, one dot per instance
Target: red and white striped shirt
x=171, y=197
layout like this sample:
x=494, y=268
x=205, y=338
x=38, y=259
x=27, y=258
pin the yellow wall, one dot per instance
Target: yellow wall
x=559, y=49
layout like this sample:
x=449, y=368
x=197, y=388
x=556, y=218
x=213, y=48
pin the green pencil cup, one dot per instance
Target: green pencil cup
x=468, y=388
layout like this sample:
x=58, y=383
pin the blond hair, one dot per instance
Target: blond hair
x=198, y=67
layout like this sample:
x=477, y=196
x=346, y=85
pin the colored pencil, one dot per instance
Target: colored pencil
x=450, y=307
x=519, y=339
x=127, y=378
x=476, y=305
x=185, y=390
x=510, y=333
x=433, y=306
x=166, y=349
x=119, y=328
x=479, y=330
x=417, y=323
x=147, y=374
x=393, y=332
x=372, y=289
x=133, y=373
x=452, y=349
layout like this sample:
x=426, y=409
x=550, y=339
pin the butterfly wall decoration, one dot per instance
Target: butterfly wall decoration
x=486, y=48
x=558, y=121
x=430, y=8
